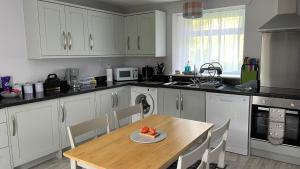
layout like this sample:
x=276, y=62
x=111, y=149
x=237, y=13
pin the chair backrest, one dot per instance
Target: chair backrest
x=85, y=127
x=217, y=154
x=200, y=153
x=220, y=133
x=128, y=112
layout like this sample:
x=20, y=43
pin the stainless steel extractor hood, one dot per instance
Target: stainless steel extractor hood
x=280, y=54
x=287, y=18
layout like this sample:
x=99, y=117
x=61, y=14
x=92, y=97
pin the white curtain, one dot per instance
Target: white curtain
x=216, y=37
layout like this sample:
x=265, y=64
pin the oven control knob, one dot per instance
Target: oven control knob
x=292, y=105
x=263, y=101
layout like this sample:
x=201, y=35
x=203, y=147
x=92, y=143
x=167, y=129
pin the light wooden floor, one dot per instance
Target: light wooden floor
x=233, y=161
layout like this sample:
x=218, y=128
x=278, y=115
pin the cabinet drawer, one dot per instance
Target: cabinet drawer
x=2, y=116
x=3, y=135
x=5, y=159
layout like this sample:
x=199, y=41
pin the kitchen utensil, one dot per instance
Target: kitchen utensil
x=72, y=76
x=147, y=73
x=52, y=83
x=28, y=91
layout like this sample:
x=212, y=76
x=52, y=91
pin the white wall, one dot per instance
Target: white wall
x=13, y=54
x=257, y=13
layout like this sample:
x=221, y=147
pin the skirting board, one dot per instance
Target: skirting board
x=283, y=153
x=40, y=160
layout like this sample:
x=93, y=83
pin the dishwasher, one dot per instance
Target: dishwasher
x=220, y=108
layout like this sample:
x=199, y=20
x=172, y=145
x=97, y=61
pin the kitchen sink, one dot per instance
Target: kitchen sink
x=191, y=84
x=178, y=83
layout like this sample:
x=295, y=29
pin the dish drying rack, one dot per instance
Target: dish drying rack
x=210, y=75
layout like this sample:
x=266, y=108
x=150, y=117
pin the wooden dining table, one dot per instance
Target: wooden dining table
x=117, y=151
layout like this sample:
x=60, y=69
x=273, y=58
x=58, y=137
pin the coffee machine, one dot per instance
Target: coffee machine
x=72, y=77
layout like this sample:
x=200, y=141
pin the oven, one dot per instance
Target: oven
x=276, y=118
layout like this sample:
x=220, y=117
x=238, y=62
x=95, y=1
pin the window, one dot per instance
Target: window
x=216, y=37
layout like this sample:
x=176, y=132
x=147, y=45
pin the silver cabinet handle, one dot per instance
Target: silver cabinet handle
x=91, y=42
x=117, y=99
x=138, y=43
x=177, y=102
x=14, y=130
x=181, y=102
x=65, y=40
x=62, y=113
x=112, y=100
x=128, y=43
x=70, y=40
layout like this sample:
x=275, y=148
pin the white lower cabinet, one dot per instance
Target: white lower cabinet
x=168, y=102
x=220, y=108
x=3, y=135
x=193, y=105
x=74, y=110
x=185, y=104
x=5, y=159
x=109, y=100
x=34, y=131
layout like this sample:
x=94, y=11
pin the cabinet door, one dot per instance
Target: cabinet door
x=122, y=97
x=53, y=31
x=34, y=131
x=101, y=26
x=169, y=102
x=74, y=110
x=77, y=26
x=122, y=101
x=146, y=35
x=105, y=105
x=132, y=35
x=193, y=105
x=119, y=35
x=3, y=135
x=5, y=159
x=221, y=107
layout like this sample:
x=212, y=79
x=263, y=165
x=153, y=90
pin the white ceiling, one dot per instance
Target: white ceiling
x=127, y=3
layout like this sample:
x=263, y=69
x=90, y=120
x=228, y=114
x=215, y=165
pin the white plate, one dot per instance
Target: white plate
x=136, y=137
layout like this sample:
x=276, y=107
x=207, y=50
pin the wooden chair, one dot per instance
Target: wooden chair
x=217, y=153
x=200, y=153
x=128, y=112
x=83, y=128
x=207, y=152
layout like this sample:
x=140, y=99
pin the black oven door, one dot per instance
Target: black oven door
x=292, y=128
x=260, y=122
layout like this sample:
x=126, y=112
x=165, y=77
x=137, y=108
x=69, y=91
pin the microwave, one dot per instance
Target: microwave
x=126, y=74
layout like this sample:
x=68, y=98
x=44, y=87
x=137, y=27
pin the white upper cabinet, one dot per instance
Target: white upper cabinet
x=77, y=26
x=146, y=38
x=106, y=34
x=132, y=35
x=52, y=29
x=63, y=30
x=146, y=34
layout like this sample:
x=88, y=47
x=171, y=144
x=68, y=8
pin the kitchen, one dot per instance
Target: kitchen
x=102, y=41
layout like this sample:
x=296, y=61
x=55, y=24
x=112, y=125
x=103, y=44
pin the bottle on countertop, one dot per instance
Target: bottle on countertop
x=109, y=73
x=187, y=68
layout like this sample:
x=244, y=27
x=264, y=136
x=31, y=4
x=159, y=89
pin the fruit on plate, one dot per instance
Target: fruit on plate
x=145, y=129
x=149, y=132
x=152, y=131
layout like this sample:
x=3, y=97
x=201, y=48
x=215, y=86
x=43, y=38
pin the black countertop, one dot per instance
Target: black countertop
x=264, y=91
